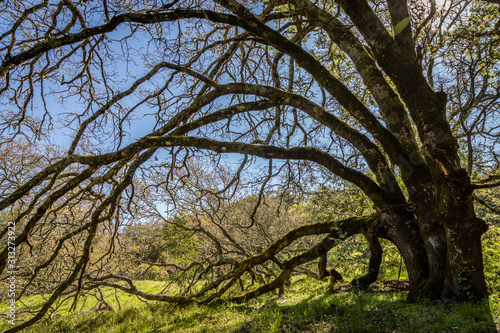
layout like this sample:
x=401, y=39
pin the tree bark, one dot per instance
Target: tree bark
x=373, y=264
x=465, y=275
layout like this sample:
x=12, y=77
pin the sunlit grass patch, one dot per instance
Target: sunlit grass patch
x=306, y=306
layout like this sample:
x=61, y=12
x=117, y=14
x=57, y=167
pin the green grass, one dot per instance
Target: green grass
x=306, y=307
x=88, y=302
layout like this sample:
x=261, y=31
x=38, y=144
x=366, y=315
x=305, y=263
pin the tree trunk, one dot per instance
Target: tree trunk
x=373, y=264
x=446, y=262
x=401, y=229
x=465, y=276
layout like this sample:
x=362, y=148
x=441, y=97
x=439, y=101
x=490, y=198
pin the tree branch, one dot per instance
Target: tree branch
x=40, y=48
x=370, y=188
x=322, y=75
x=342, y=230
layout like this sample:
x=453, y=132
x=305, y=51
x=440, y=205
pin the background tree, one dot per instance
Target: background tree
x=397, y=98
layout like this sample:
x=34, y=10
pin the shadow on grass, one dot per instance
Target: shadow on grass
x=307, y=309
x=370, y=312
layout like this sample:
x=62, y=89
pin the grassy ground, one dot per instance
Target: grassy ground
x=307, y=306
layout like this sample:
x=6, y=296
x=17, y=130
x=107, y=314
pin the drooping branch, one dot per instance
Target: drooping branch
x=370, y=188
x=132, y=289
x=339, y=232
x=105, y=211
x=288, y=266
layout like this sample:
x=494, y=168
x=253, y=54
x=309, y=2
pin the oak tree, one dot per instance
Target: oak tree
x=398, y=98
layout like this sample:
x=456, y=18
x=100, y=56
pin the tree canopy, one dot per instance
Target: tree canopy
x=215, y=117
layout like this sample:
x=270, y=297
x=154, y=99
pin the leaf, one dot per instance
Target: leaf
x=401, y=26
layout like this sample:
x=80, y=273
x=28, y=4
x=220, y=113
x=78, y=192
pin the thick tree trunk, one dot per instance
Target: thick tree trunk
x=465, y=276
x=422, y=193
x=401, y=229
x=436, y=248
x=449, y=265
x=443, y=255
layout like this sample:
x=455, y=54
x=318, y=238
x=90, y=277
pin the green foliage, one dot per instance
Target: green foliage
x=491, y=258
x=326, y=205
x=179, y=243
x=307, y=305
